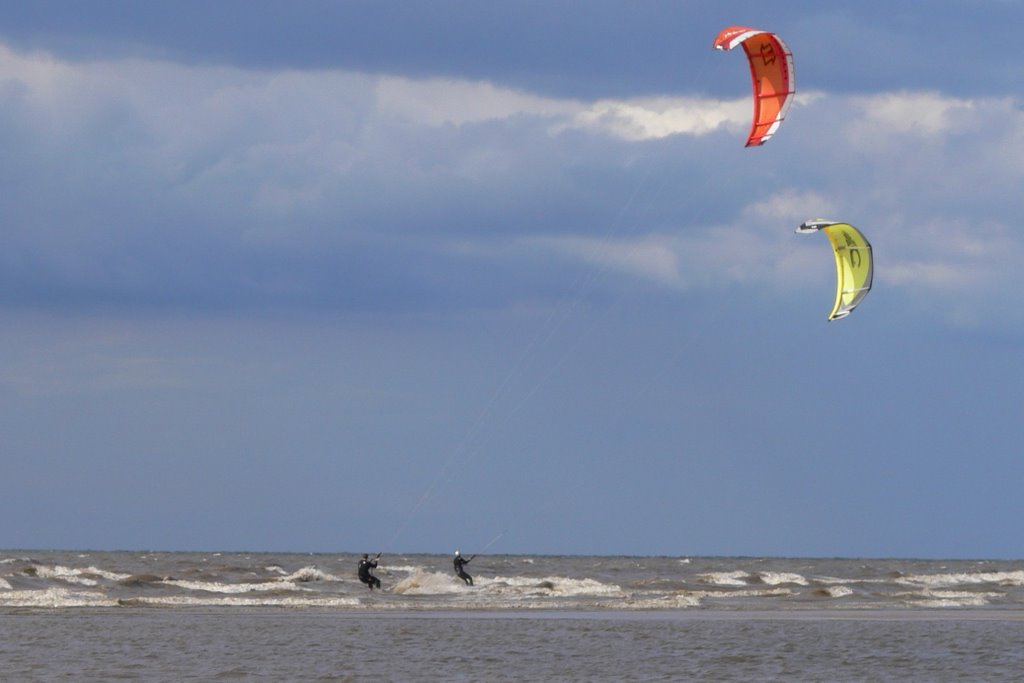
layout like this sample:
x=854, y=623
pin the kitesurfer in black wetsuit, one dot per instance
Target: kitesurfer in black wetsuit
x=459, y=563
x=365, y=565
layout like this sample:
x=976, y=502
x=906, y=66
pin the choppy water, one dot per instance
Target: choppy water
x=181, y=616
x=427, y=582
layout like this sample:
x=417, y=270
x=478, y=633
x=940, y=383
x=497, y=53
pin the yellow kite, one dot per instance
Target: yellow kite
x=854, y=264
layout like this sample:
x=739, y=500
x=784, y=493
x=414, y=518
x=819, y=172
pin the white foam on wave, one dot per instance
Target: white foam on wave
x=229, y=588
x=930, y=597
x=678, y=600
x=64, y=574
x=225, y=601
x=749, y=593
x=560, y=586
x=734, y=578
x=307, y=574
x=836, y=579
x=4, y=585
x=1015, y=578
x=779, y=578
x=110, y=576
x=423, y=582
x=960, y=595
x=80, y=577
x=955, y=599
x=406, y=568
x=54, y=597
x=839, y=591
x=947, y=604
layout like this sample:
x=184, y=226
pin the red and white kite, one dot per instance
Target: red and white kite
x=771, y=68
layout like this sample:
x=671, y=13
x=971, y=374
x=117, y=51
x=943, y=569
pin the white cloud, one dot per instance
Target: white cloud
x=927, y=114
x=659, y=117
x=436, y=102
x=288, y=159
x=789, y=208
x=932, y=275
x=952, y=255
x=651, y=119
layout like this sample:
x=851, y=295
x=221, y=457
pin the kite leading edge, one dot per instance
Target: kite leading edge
x=771, y=68
x=854, y=263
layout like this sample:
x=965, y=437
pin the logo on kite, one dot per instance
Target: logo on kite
x=771, y=68
x=854, y=263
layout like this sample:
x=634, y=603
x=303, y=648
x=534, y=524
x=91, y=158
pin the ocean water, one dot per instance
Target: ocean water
x=252, y=616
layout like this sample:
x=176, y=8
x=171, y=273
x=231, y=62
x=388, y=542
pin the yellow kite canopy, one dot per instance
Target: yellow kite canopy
x=854, y=263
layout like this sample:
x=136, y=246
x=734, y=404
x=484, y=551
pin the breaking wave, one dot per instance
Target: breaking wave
x=56, y=580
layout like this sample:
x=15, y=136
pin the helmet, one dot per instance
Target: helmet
x=457, y=553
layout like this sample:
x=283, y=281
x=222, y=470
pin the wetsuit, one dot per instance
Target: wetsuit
x=459, y=563
x=365, y=565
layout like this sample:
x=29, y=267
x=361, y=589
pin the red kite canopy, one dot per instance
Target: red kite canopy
x=771, y=68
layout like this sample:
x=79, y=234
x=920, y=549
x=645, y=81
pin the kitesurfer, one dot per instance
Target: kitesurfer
x=365, y=565
x=460, y=562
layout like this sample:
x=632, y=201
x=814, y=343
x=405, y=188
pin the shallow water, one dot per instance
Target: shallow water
x=282, y=644
x=427, y=582
x=106, y=616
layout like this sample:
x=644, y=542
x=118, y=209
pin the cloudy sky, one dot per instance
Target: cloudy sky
x=347, y=276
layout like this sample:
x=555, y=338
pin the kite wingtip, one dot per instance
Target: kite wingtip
x=813, y=225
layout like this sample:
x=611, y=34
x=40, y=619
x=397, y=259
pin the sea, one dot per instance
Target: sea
x=211, y=616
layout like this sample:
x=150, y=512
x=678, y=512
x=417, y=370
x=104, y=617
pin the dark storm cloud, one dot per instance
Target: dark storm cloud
x=289, y=188
x=584, y=49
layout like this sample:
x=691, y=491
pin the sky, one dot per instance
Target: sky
x=410, y=277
